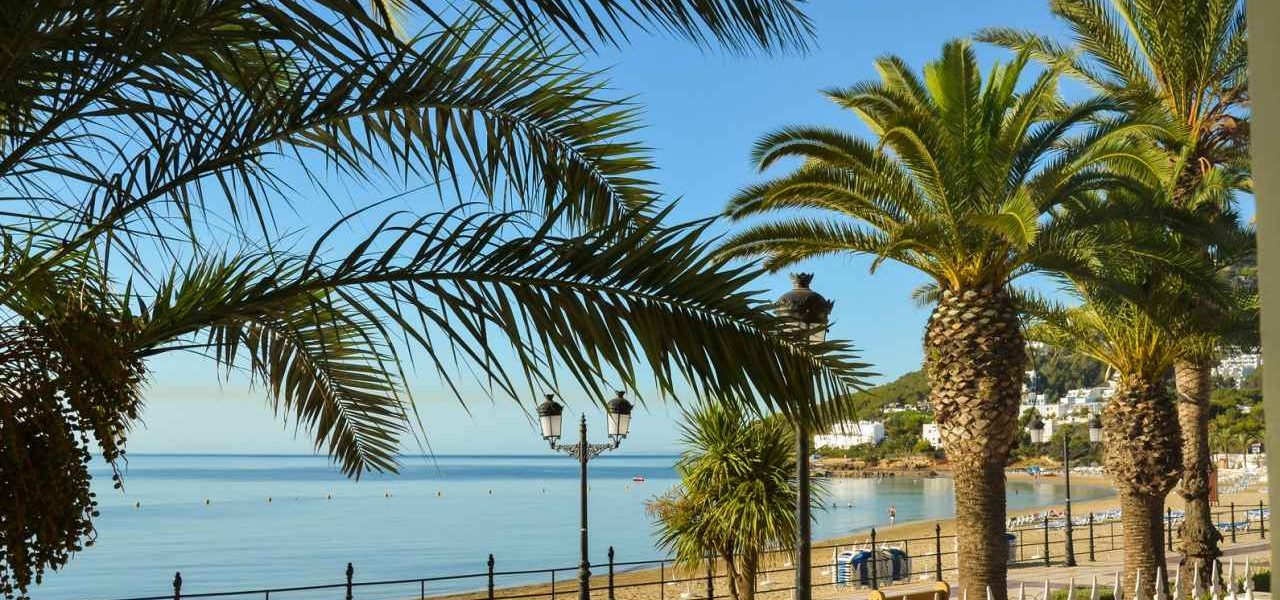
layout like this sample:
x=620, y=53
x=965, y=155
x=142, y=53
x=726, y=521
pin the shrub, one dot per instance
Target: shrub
x=1081, y=593
x=1262, y=581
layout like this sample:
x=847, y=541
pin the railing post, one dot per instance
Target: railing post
x=177, y=586
x=490, y=563
x=1168, y=527
x=610, y=572
x=662, y=580
x=937, y=551
x=351, y=571
x=1046, y=539
x=1233, y=522
x=1262, y=520
x=875, y=575
x=1091, y=557
x=553, y=584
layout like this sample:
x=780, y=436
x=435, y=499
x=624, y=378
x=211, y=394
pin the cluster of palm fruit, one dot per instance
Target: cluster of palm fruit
x=65, y=382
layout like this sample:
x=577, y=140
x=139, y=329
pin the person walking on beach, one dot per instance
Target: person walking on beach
x=893, y=514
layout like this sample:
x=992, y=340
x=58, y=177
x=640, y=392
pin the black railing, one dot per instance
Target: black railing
x=929, y=557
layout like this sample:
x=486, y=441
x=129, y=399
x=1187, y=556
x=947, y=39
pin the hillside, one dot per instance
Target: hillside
x=1056, y=372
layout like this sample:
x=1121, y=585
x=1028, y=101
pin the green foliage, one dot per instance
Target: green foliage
x=737, y=493
x=908, y=390
x=1082, y=452
x=146, y=141
x=1082, y=593
x=1059, y=371
x=961, y=181
x=1262, y=580
x=1236, y=418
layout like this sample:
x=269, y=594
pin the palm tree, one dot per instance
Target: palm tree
x=1139, y=422
x=959, y=184
x=737, y=494
x=1181, y=64
x=1131, y=319
x=141, y=133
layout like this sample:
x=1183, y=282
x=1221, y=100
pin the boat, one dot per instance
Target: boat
x=638, y=479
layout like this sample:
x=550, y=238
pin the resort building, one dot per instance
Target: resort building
x=931, y=434
x=848, y=434
x=1238, y=367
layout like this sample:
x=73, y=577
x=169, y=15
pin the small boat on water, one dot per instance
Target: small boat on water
x=638, y=479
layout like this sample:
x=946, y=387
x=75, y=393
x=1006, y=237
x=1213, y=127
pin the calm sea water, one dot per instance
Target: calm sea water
x=440, y=516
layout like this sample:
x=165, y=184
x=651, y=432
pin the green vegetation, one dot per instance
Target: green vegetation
x=1082, y=593
x=1058, y=371
x=1262, y=581
x=737, y=494
x=144, y=147
x=1237, y=417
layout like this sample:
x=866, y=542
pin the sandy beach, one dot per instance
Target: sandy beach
x=919, y=539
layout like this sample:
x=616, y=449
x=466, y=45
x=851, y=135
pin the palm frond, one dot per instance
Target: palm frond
x=739, y=25
x=460, y=286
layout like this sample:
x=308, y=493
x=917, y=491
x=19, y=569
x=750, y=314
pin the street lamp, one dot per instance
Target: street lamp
x=1095, y=430
x=1036, y=429
x=807, y=312
x=550, y=418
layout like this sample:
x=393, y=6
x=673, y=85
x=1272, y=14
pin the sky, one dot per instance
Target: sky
x=702, y=110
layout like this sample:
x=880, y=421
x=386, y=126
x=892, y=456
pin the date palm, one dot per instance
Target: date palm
x=737, y=494
x=1139, y=423
x=136, y=134
x=1132, y=319
x=961, y=182
x=1182, y=64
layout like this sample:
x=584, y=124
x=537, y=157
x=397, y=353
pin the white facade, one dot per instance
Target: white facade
x=1077, y=406
x=850, y=433
x=932, y=434
x=1238, y=367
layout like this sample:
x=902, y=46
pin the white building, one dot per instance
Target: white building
x=1085, y=402
x=1238, y=367
x=850, y=433
x=932, y=434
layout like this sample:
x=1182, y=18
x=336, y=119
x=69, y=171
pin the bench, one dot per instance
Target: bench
x=939, y=591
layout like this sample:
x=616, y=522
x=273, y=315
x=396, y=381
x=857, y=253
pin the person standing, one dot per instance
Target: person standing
x=893, y=514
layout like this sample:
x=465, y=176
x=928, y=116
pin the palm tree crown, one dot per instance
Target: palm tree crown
x=956, y=185
x=1182, y=64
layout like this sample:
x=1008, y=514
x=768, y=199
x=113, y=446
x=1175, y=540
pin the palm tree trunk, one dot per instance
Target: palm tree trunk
x=746, y=576
x=1143, y=456
x=975, y=355
x=1199, y=535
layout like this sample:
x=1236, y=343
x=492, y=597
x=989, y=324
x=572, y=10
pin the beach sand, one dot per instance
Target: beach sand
x=655, y=581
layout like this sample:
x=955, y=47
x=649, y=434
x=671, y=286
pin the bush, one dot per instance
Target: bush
x=1262, y=581
x=1082, y=593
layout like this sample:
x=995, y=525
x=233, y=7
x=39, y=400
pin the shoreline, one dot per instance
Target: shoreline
x=643, y=582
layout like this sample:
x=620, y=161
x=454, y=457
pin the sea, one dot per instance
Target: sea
x=233, y=522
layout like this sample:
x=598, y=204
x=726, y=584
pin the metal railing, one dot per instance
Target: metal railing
x=930, y=557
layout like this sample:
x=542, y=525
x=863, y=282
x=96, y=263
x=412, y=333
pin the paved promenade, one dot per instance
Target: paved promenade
x=1031, y=580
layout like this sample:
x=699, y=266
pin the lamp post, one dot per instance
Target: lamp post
x=1036, y=429
x=808, y=313
x=550, y=416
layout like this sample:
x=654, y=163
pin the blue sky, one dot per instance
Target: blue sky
x=702, y=112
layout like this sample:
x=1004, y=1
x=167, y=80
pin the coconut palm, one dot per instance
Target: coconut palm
x=960, y=184
x=737, y=494
x=136, y=134
x=1181, y=64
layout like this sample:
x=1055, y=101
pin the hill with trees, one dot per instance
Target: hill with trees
x=903, y=406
